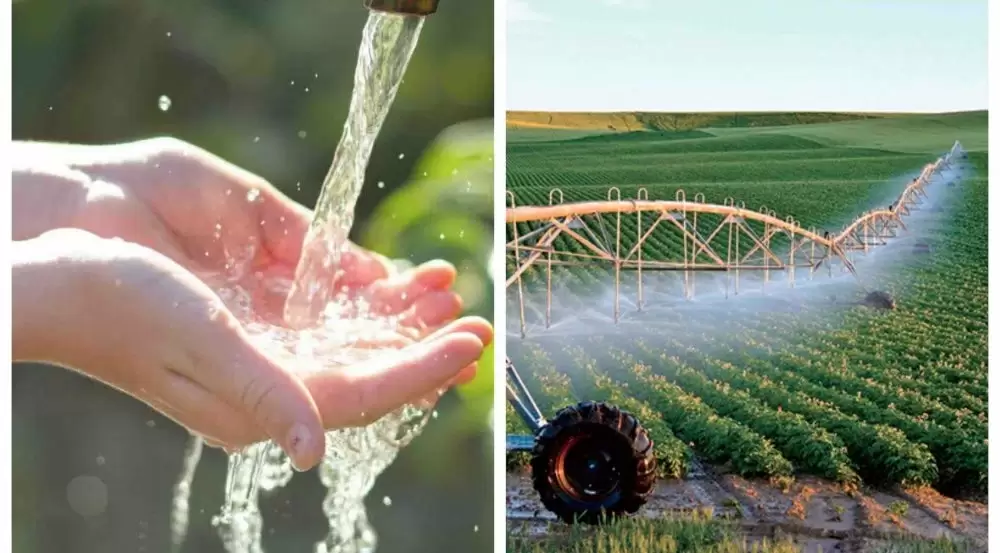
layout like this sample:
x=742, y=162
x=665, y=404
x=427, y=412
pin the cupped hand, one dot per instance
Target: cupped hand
x=187, y=213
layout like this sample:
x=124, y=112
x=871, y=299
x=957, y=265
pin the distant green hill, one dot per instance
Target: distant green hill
x=915, y=133
x=906, y=133
x=634, y=121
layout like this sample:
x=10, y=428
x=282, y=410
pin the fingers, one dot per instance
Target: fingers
x=252, y=383
x=194, y=407
x=360, y=268
x=396, y=294
x=466, y=375
x=432, y=310
x=283, y=223
x=477, y=326
x=359, y=395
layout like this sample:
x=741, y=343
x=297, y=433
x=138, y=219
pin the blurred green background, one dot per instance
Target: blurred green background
x=265, y=84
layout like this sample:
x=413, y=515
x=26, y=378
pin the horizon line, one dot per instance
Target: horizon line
x=857, y=112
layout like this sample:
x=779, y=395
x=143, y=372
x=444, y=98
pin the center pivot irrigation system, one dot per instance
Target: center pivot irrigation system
x=594, y=461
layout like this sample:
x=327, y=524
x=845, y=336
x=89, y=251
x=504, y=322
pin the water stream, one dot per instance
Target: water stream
x=321, y=328
x=386, y=48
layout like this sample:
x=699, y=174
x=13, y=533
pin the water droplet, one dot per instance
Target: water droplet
x=50, y=108
x=256, y=139
x=386, y=501
x=475, y=528
x=229, y=191
x=100, y=460
x=434, y=414
x=298, y=186
x=169, y=34
x=307, y=89
x=291, y=83
x=151, y=423
x=381, y=184
x=401, y=156
x=252, y=195
x=441, y=236
x=315, y=75
x=454, y=171
x=87, y=495
x=164, y=103
x=302, y=134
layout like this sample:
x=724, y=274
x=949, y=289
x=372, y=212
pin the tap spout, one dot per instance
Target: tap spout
x=404, y=7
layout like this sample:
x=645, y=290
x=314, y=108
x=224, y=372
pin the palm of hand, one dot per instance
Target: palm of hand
x=232, y=229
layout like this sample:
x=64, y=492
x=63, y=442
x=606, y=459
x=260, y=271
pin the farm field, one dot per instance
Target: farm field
x=795, y=408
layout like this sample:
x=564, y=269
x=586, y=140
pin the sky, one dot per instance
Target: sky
x=739, y=55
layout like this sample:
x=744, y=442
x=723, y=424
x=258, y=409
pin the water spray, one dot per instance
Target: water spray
x=741, y=241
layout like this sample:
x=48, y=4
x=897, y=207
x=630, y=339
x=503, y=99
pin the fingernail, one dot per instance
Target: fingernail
x=297, y=446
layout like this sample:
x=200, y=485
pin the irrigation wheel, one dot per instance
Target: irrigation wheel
x=593, y=462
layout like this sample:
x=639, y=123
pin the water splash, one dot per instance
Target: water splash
x=354, y=456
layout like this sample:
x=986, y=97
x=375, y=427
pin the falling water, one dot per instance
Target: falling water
x=386, y=47
x=322, y=327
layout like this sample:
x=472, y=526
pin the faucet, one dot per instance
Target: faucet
x=404, y=7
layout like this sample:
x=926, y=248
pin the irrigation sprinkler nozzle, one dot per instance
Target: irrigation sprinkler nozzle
x=403, y=7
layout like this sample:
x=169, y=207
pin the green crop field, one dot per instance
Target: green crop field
x=852, y=395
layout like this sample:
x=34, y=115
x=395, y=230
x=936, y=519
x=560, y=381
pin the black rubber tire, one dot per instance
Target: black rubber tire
x=620, y=435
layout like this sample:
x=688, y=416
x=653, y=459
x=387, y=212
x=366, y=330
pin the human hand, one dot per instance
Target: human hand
x=226, y=225
x=138, y=321
x=230, y=227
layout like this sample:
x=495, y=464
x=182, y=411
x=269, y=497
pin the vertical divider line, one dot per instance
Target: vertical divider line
x=499, y=273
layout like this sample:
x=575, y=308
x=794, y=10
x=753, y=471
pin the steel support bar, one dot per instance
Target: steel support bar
x=521, y=400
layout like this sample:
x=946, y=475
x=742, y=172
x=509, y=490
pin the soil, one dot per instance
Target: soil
x=816, y=514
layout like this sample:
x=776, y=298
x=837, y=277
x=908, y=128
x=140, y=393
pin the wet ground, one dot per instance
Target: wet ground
x=818, y=515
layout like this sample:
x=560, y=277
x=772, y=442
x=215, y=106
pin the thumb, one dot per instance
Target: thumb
x=252, y=382
x=284, y=223
x=361, y=394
